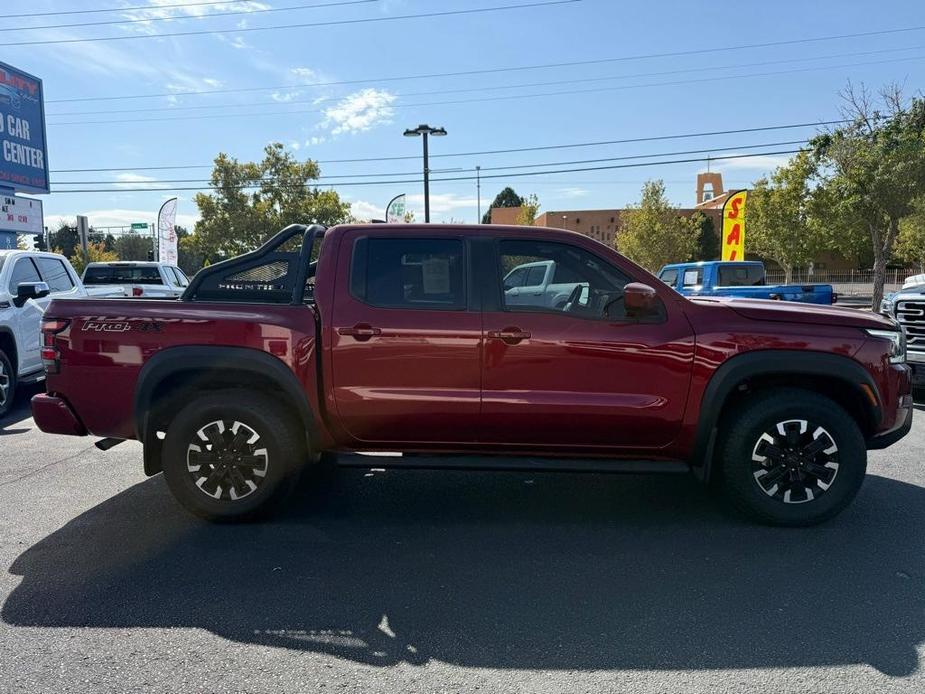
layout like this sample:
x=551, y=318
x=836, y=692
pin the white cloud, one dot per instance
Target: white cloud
x=573, y=192
x=443, y=204
x=294, y=145
x=127, y=179
x=764, y=162
x=365, y=211
x=286, y=96
x=315, y=140
x=305, y=73
x=119, y=217
x=359, y=112
x=167, y=9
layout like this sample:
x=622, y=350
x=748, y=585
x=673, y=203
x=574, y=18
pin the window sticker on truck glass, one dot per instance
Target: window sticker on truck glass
x=693, y=277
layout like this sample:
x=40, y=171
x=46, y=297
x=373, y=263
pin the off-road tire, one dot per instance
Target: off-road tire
x=277, y=451
x=7, y=376
x=753, y=432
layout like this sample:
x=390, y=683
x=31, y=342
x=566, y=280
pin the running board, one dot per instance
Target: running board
x=522, y=463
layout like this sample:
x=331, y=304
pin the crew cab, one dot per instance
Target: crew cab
x=41, y=277
x=401, y=339
x=739, y=279
x=151, y=280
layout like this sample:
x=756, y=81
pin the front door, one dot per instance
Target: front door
x=578, y=373
x=26, y=320
x=406, y=340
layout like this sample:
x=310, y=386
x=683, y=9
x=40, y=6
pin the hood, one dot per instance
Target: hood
x=794, y=312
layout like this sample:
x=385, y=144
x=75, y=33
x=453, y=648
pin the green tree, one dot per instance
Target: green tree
x=707, y=238
x=251, y=201
x=96, y=253
x=778, y=216
x=654, y=233
x=529, y=208
x=910, y=245
x=133, y=246
x=64, y=238
x=873, y=171
x=506, y=198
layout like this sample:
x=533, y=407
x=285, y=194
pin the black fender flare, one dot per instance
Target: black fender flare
x=14, y=356
x=206, y=359
x=769, y=363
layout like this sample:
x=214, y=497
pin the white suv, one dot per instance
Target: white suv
x=148, y=280
x=41, y=277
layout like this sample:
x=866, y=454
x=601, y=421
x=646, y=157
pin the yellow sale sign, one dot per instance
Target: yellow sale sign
x=734, y=226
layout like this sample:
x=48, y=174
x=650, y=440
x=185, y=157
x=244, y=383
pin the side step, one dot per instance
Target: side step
x=504, y=462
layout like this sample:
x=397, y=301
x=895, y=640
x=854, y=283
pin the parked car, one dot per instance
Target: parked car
x=541, y=283
x=907, y=306
x=409, y=344
x=139, y=279
x=742, y=279
x=41, y=277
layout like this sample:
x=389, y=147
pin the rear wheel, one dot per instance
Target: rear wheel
x=7, y=384
x=232, y=455
x=792, y=457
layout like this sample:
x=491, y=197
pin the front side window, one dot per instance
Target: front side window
x=23, y=271
x=55, y=274
x=582, y=284
x=669, y=277
x=409, y=273
x=182, y=280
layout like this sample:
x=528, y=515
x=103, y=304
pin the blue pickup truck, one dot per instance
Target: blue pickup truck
x=739, y=279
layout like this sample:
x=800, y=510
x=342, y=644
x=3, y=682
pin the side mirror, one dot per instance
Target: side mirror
x=29, y=290
x=639, y=299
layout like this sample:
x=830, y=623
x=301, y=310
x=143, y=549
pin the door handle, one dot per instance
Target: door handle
x=509, y=335
x=360, y=332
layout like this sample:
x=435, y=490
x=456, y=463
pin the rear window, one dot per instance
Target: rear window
x=741, y=276
x=110, y=274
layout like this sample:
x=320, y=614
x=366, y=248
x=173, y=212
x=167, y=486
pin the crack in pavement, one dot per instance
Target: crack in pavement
x=48, y=465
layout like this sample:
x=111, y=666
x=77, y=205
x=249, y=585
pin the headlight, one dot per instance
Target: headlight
x=886, y=307
x=897, y=340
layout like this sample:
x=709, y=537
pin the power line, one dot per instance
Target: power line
x=193, y=16
x=483, y=168
x=488, y=152
x=123, y=9
x=520, y=174
x=486, y=71
x=511, y=97
x=498, y=87
x=305, y=25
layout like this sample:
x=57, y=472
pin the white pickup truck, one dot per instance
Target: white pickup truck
x=148, y=280
x=543, y=283
x=41, y=277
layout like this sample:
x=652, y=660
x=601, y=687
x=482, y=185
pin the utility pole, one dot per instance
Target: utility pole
x=424, y=131
x=478, y=194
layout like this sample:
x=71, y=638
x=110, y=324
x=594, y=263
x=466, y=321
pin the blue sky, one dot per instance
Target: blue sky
x=627, y=98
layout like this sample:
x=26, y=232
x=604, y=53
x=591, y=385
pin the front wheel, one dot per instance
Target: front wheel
x=232, y=455
x=7, y=384
x=792, y=457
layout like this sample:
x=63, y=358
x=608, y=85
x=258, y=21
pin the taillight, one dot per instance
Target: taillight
x=51, y=358
x=137, y=291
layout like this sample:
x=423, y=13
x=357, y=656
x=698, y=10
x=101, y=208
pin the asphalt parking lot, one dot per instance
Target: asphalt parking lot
x=424, y=582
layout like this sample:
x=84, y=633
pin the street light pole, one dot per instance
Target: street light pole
x=478, y=194
x=425, y=131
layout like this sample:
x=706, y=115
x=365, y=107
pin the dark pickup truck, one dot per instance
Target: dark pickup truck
x=379, y=338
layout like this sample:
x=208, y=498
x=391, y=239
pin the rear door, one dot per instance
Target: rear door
x=406, y=336
x=579, y=376
x=25, y=321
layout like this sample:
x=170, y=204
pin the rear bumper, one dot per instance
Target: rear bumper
x=54, y=416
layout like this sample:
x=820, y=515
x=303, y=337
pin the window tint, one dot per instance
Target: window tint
x=410, y=273
x=55, y=274
x=741, y=276
x=535, y=276
x=669, y=277
x=693, y=277
x=23, y=271
x=515, y=278
x=182, y=280
x=584, y=285
x=122, y=274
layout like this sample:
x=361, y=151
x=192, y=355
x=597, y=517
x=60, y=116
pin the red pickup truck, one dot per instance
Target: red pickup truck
x=378, y=338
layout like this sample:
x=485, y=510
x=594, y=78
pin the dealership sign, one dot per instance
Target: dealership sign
x=22, y=215
x=23, y=151
x=734, y=226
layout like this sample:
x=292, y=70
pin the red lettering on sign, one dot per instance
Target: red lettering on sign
x=735, y=236
x=735, y=204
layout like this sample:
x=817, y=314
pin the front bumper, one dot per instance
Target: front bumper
x=54, y=416
x=900, y=428
x=916, y=361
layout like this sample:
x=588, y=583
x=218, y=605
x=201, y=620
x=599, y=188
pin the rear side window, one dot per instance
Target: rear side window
x=535, y=276
x=741, y=276
x=669, y=277
x=693, y=277
x=409, y=273
x=55, y=274
x=115, y=274
x=23, y=271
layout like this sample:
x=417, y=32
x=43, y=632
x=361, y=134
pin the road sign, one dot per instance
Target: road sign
x=23, y=150
x=22, y=215
x=139, y=225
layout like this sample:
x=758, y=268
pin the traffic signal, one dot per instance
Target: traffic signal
x=40, y=242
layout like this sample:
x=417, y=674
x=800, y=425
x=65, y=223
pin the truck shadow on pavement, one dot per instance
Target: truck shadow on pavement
x=500, y=571
x=20, y=411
